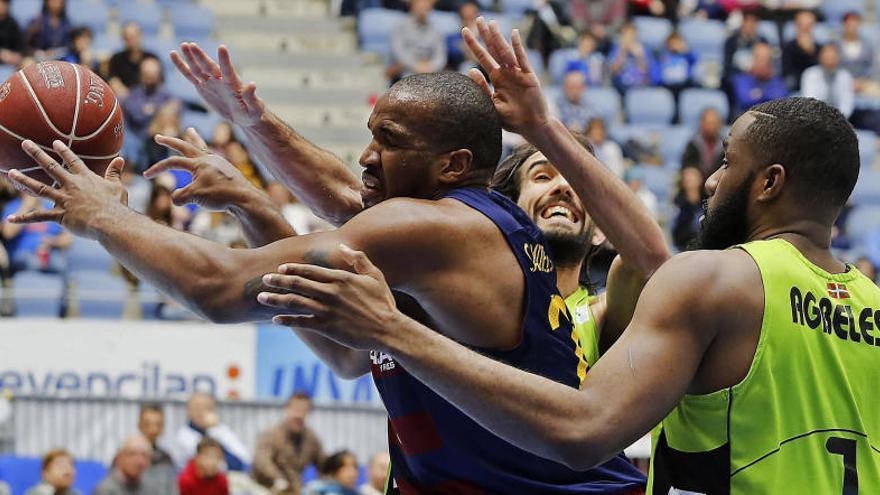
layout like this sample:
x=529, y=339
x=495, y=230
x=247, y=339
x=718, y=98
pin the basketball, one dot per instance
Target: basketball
x=63, y=101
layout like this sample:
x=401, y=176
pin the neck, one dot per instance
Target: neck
x=811, y=238
x=568, y=278
x=480, y=182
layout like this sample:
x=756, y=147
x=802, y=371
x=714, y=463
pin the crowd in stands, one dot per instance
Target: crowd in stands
x=205, y=457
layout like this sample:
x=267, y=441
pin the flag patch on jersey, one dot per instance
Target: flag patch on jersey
x=838, y=291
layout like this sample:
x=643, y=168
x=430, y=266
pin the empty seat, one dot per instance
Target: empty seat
x=85, y=254
x=99, y=294
x=693, y=101
x=833, y=10
x=106, y=44
x=147, y=15
x=606, y=101
x=191, y=21
x=867, y=147
x=705, y=37
x=861, y=221
x=516, y=7
x=88, y=13
x=24, y=11
x=37, y=294
x=446, y=22
x=649, y=106
x=769, y=31
x=178, y=86
x=374, y=29
x=867, y=191
x=653, y=31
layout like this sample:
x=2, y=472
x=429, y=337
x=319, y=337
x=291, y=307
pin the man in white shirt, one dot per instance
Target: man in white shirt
x=828, y=82
x=202, y=420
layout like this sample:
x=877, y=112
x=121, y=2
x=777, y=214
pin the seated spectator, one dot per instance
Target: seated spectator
x=339, y=475
x=377, y=473
x=705, y=150
x=829, y=82
x=49, y=32
x=760, y=84
x=144, y=101
x=161, y=472
x=607, y=151
x=585, y=14
x=126, y=476
x=161, y=208
x=800, y=53
x=738, y=47
x=124, y=69
x=590, y=62
x=165, y=122
x=416, y=46
x=238, y=155
x=857, y=55
x=285, y=450
x=458, y=55
x=867, y=268
x=674, y=67
x=689, y=202
x=635, y=178
x=202, y=420
x=38, y=246
x=297, y=214
x=57, y=475
x=203, y=474
x=218, y=226
x=630, y=61
x=548, y=27
x=79, y=49
x=571, y=107
x=11, y=38
x=655, y=8
x=220, y=137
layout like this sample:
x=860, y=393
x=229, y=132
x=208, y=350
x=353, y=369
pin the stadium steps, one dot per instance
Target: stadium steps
x=276, y=9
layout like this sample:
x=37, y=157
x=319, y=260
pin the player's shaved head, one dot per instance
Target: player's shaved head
x=455, y=113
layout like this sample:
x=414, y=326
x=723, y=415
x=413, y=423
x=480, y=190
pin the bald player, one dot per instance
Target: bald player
x=756, y=356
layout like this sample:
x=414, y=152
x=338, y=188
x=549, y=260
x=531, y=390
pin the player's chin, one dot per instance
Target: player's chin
x=371, y=196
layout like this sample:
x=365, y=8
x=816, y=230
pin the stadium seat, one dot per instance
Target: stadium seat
x=606, y=101
x=705, y=37
x=822, y=32
x=147, y=15
x=833, y=10
x=558, y=60
x=861, y=221
x=37, y=294
x=658, y=180
x=867, y=191
x=693, y=101
x=85, y=254
x=24, y=11
x=516, y=7
x=149, y=299
x=670, y=141
x=374, y=29
x=649, y=106
x=867, y=147
x=203, y=122
x=653, y=31
x=88, y=13
x=99, y=294
x=106, y=44
x=88, y=475
x=191, y=21
x=768, y=30
x=21, y=473
x=6, y=72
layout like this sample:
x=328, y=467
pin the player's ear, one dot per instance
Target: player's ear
x=772, y=182
x=458, y=165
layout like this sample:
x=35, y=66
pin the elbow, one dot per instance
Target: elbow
x=574, y=451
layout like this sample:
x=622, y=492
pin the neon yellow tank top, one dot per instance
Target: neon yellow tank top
x=579, y=305
x=805, y=419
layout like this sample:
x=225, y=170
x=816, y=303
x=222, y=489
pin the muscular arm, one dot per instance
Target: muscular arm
x=261, y=220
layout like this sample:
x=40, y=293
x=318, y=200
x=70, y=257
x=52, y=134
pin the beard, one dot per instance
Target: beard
x=725, y=225
x=568, y=249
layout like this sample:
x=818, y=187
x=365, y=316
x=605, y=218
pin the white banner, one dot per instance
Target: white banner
x=127, y=358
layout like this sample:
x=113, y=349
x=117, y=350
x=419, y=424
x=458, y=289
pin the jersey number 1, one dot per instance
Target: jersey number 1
x=846, y=447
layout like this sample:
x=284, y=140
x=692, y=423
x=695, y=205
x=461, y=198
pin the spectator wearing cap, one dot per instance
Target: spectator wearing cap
x=11, y=38
x=57, y=475
x=829, y=82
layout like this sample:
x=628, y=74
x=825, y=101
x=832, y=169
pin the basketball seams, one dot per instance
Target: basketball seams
x=49, y=148
x=102, y=126
x=27, y=84
x=77, y=104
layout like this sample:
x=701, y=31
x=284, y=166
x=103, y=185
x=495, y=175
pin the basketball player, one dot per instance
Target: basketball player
x=756, y=356
x=442, y=238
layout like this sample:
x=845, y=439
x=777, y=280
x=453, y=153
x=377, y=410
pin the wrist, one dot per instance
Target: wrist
x=407, y=336
x=541, y=134
x=102, y=223
x=250, y=203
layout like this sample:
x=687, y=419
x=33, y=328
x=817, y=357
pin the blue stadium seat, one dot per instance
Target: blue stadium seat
x=24, y=11
x=658, y=180
x=670, y=140
x=822, y=32
x=445, y=22
x=21, y=473
x=374, y=29
x=705, y=37
x=833, y=10
x=653, y=31
x=99, y=294
x=649, y=106
x=88, y=475
x=867, y=147
x=693, y=101
x=861, y=221
x=6, y=71
x=203, y=122
x=768, y=30
x=88, y=13
x=37, y=294
x=181, y=88
x=147, y=15
x=558, y=60
x=867, y=191
x=516, y=7
x=106, y=44
x=85, y=254
x=191, y=21
x=536, y=60
x=606, y=101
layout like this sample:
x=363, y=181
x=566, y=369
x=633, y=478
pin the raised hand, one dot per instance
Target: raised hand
x=216, y=183
x=82, y=198
x=219, y=84
x=517, y=96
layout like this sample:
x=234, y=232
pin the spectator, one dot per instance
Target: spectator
x=220, y=137
x=705, y=150
x=79, y=49
x=674, y=68
x=49, y=32
x=203, y=475
x=161, y=208
x=739, y=45
x=548, y=27
x=165, y=122
x=867, y=268
x=284, y=451
x=607, y=151
x=377, y=473
x=656, y=8
x=571, y=107
x=800, y=53
x=857, y=55
x=590, y=62
x=339, y=475
x=830, y=83
x=297, y=214
x=760, y=84
x=635, y=178
x=416, y=46
x=238, y=155
x=127, y=474
x=11, y=39
x=689, y=202
x=586, y=14
x=125, y=66
x=202, y=420
x=161, y=472
x=630, y=61
x=56, y=475
x=34, y=247
x=217, y=226
x=457, y=52
x=139, y=189
x=143, y=102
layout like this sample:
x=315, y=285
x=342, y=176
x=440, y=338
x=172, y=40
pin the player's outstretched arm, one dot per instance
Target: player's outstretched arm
x=316, y=176
x=625, y=395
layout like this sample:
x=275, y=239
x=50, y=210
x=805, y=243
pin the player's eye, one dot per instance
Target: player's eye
x=542, y=177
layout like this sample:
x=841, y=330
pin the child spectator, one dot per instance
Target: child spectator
x=202, y=475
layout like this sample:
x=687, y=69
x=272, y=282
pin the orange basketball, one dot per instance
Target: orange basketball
x=59, y=101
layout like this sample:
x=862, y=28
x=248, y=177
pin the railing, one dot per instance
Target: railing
x=93, y=428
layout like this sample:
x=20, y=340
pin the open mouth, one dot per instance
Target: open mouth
x=371, y=179
x=559, y=210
